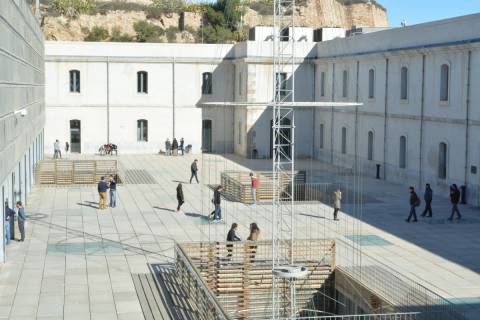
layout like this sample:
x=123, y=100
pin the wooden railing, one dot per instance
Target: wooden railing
x=237, y=184
x=239, y=274
x=68, y=172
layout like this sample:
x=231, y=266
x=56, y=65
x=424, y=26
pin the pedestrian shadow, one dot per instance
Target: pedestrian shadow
x=37, y=216
x=90, y=204
x=194, y=215
x=313, y=216
x=164, y=209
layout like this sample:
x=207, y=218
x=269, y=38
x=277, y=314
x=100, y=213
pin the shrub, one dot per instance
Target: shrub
x=73, y=8
x=169, y=6
x=147, y=32
x=117, y=36
x=97, y=34
x=154, y=12
x=171, y=33
x=218, y=34
x=264, y=7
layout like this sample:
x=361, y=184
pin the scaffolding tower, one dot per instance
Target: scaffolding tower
x=283, y=156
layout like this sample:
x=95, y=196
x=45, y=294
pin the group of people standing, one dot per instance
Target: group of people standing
x=57, y=152
x=103, y=186
x=172, y=148
x=428, y=197
x=10, y=217
x=233, y=237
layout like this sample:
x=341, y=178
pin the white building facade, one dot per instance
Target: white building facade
x=420, y=122
x=22, y=107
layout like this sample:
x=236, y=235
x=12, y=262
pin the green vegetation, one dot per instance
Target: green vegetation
x=97, y=34
x=117, y=36
x=147, y=31
x=73, y=8
x=171, y=33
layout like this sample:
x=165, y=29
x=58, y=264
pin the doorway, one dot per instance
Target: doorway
x=284, y=139
x=75, y=136
x=207, y=136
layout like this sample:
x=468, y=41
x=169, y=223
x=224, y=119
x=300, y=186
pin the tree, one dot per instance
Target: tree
x=97, y=34
x=73, y=8
x=147, y=32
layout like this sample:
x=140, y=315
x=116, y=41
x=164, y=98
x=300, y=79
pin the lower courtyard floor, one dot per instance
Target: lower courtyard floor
x=79, y=262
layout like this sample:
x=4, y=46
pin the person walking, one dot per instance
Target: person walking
x=217, y=213
x=175, y=147
x=21, y=220
x=10, y=213
x=254, y=236
x=168, y=147
x=67, y=147
x=232, y=237
x=7, y=224
x=194, y=170
x=337, y=203
x=102, y=192
x=428, y=197
x=56, y=150
x=112, y=185
x=414, y=202
x=182, y=146
x=180, y=197
x=455, y=199
x=253, y=185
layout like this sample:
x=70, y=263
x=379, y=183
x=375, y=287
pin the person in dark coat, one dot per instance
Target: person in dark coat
x=175, y=147
x=194, y=170
x=182, y=146
x=180, y=197
x=231, y=237
x=217, y=213
x=21, y=220
x=454, y=199
x=414, y=202
x=10, y=216
x=428, y=197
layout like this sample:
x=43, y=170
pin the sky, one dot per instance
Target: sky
x=419, y=11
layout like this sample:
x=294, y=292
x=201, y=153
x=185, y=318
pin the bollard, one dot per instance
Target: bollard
x=378, y=171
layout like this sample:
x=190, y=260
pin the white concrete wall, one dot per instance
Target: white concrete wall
x=21, y=88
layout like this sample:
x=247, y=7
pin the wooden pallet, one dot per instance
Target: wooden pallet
x=237, y=184
x=68, y=172
x=240, y=275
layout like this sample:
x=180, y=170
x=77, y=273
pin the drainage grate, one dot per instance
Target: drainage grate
x=138, y=176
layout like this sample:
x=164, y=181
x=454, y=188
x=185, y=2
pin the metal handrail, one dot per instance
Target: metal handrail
x=220, y=313
x=373, y=273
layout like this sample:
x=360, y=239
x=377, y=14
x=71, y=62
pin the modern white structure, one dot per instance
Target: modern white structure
x=22, y=108
x=420, y=121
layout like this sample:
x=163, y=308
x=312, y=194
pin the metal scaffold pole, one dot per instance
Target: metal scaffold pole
x=283, y=136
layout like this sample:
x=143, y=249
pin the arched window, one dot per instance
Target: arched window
x=207, y=83
x=370, y=145
x=142, y=82
x=371, y=84
x=444, y=82
x=404, y=83
x=442, y=160
x=345, y=84
x=74, y=81
x=142, y=130
x=402, y=159
x=344, y=140
x=322, y=84
x=322, y=135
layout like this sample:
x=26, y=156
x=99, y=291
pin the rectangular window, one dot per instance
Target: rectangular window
x=404, y=84
x=322, y=135
x=442, y=161
x=240, y=132
x=281, y=85
x=444, y=83
x=74, y=81
x=344, y=140
x=142, y=82
x=207, y=83
x=345, y=84
x=402, y=161
x=322, y=84
x=371, y=84
x=240, y=84
x=142, y=130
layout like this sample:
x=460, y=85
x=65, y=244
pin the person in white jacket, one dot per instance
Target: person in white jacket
x=337, y=203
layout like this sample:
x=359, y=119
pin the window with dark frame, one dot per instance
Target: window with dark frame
x=142, y=82
x=74, y=81
x=207, y=83
x=142, y=130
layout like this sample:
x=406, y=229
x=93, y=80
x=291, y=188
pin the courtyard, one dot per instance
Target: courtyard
x=78, y=262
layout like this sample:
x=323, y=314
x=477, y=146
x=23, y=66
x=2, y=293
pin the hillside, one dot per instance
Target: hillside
x=179, y=21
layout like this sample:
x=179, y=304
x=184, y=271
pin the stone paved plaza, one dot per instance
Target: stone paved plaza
x=77, y=262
